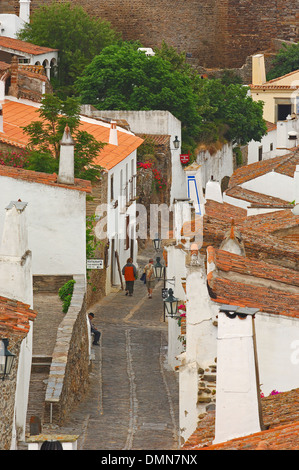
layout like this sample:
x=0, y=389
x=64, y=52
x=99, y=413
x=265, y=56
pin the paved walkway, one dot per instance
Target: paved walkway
x=132, y=402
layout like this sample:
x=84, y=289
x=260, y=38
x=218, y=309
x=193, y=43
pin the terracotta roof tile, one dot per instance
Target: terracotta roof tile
x=14, y=318
x=285, y=165
x=22, y=46
x=232, y=263
x=17, y=115
x=280, y=415
x=248, y=289
x=157, y=139
x=43, y=178
x=270, y=223
x=255, y=198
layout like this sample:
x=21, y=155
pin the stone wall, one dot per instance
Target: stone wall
x=96, y=282
x=68, y=377
x=218, y=33
x=7, y=402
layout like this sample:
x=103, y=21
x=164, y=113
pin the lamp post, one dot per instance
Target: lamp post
x=158, y=269
x=171, y=304
x=157, y=242
x=6, y=359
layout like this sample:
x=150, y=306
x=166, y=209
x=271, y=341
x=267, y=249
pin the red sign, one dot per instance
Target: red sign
x=185, y=158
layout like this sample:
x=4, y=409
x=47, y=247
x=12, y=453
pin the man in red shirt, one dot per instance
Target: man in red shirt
x=130, y=274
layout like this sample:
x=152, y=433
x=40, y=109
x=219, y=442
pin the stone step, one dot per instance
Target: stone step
x=41, y=364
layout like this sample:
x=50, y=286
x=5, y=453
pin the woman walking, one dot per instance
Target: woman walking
x=129, y=272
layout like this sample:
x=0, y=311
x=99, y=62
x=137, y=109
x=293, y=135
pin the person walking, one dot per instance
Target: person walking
x=130, y=274
x=149, y=277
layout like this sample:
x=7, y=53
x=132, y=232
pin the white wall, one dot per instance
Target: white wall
x=278, y=137
x=266, y=141
x=123, y=190
x=218, y=165
x=176, y=269
x=273, y=184
x=10, y=25
x=201, y=348
x=16, y=283
x=277, y=340
x=56, y=225
x=153, y=122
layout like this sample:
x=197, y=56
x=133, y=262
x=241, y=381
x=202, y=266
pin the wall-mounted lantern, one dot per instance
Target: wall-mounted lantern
x=176, y=142
x=158, y=269
x=171, y=304
x=6, y=359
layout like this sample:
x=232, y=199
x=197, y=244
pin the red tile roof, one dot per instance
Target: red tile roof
x=14, y=318
x=230, y=262
x=22, y=46
x=157, y=139
x=17, y=115
x=43, y=178
x=285, y=165
x=271, y=222
x=248, y=289
x=254, y=198
x=280, y=415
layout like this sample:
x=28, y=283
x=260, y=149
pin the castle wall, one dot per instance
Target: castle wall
x=218, y=33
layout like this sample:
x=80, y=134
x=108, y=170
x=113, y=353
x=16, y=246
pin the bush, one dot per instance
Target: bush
x=65, y=293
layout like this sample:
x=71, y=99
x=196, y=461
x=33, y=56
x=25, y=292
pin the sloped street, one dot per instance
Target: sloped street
x=132, y=402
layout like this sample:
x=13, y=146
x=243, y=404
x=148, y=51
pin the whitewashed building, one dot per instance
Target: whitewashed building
x=16, y=291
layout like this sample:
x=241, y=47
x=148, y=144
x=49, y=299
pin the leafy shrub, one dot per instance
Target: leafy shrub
x=65, y=293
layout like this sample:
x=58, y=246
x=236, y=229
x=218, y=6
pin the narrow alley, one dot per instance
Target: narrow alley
x=132, y=402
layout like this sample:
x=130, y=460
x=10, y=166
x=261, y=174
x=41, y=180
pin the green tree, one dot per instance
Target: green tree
x=230, y=114
x=285, y=61
x=77, y=36
x=123, y=78
x=46, y=133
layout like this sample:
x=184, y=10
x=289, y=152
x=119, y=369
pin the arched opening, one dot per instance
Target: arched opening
x=47, y=67
x=53, y=68
x=224, y=183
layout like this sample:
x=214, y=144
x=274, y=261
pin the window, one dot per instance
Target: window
x=283, y=107
x=111, y=188
x=271, y=147
x=127, y=246
x=283, y=110
x=260, y=153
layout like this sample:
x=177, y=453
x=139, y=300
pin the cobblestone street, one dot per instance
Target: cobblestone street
x=132, y=402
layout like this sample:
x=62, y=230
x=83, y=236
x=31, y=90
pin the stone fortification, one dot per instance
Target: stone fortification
x=218, y=33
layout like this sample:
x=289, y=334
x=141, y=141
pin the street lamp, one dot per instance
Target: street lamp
x=158, y=269
x=176, y=142
x=157, y=243
x=171, y=304
x=6, y=358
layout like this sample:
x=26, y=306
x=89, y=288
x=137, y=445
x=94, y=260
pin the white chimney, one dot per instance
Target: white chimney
x=113, y=134
x=238, y=411
x=25, y=10
x=213, y=191
x=66, y=161
x=258, y=69
x=14, y=237
x=15, y=256
x=182, y=214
